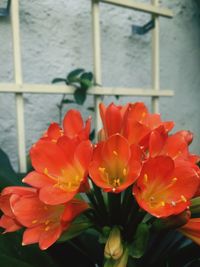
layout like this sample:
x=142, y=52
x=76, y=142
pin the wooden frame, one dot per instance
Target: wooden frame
x=19, y=88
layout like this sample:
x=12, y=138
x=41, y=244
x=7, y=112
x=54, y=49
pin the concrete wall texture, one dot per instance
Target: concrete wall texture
x=56, y=38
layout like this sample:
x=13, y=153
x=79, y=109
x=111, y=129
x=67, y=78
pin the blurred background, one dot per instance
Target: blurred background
x=56, y=38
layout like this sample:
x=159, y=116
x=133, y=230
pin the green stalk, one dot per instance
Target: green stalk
x=114, y=203
x=100, y=202
x=96, y=210
x=127, y=205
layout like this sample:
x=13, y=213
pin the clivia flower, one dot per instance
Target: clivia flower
x=192, y=230
x=60, y=169
x=8, y=197
x=44, y=223
x=115, y=164
x=165, y=189
x=133, y=121
x=73, y=128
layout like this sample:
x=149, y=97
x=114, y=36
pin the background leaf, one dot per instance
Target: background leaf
x=58, y=80
x=73, y=75
x=80, y=96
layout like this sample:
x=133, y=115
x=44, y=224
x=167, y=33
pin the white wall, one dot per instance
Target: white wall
x=56, y=38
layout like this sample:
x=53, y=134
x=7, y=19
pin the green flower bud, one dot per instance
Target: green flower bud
x=114, y=248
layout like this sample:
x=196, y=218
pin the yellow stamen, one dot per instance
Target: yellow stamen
x=183, y=198
x=47, y=222
x=116, y=182
x=77, y=178
x=115, y=153
x=46, y=171
x=174, y=179
x=173, y=203
x=34, y=221
x=102, y=169
x=145, y=178
x=163, y=203
x=143, y=114
x=124, y=171
x=47, y=228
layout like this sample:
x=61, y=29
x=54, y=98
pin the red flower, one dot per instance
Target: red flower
x=133, y=121
x=45, y=223
x=73, y=127
x=112, y=118
x=61, y=169
x=192, y=230
x=116, y=164
x=139, y=123
x=8, y=197
x=174, y=146
x=165, y=188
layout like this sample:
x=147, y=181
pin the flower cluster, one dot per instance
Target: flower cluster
x=134, y=154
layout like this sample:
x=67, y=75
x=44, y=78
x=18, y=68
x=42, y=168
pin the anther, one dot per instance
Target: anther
x=115, y=153
x=47, y=222
x=34, y=221
x=162, y=203
x=173, y=203
x=145, y=178
x=47, y=228
x=183, y=198
x=102, y=169
x=124, y=172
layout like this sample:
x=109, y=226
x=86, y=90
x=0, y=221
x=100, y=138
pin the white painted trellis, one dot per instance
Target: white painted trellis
x=18, y=88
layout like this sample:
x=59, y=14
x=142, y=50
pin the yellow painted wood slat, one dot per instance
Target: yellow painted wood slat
x=18, y=79
x=147, y=8
x=63, y=89
x=96, y=36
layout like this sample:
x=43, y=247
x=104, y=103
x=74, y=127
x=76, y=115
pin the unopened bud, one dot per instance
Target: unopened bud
x=122, y=262
x=114, y=248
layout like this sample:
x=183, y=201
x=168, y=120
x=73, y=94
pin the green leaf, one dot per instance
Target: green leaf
x=138, y=247
x=85, y=84
x=75, y=229
x=7, y=175
x=59, y=80
x=73, y=75
x=67, y=101
x=87, y=76
x=80, y=96
x=91, y=109
x=104, y=236
x=12, y=262
x=13, y=254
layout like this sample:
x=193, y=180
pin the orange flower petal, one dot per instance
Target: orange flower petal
x=72, y=123
x=48, y=238
x=48, y=157
x=32, y=235
x=83, y=154
x=192, y=230
x=37, y=180
x=116, y=149
x=9, y=224
x=53, y=195
x=73, y=209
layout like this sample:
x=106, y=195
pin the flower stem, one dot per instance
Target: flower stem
x=114, y=203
